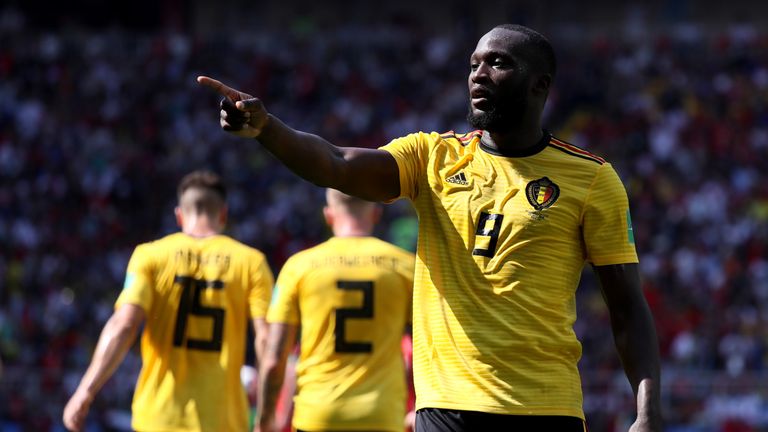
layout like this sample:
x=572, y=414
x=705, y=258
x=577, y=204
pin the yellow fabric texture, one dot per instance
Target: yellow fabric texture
x=502, y=243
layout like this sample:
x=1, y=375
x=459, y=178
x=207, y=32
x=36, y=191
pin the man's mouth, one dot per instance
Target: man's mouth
x=480, y=93
x=480, y=98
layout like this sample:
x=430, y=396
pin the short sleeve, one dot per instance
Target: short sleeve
x=411, y=153
x=607, y=226
x=138, y=288
x=260, y=290
x=406, y=269
x=284, y=307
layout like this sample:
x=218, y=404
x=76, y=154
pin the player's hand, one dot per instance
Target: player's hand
x=410, y=421
x=265, y=426
x=241, y=113
x=76, y=411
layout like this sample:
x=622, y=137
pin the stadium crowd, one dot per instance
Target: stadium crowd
x=96, y=128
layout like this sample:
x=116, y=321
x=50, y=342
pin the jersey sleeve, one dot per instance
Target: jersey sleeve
x=607, y=227
x=260, y=291
x=411, y=153
x=284, y=307
x=138, y=288
x=406, y=268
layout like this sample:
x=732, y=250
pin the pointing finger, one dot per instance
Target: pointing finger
x=219, y=87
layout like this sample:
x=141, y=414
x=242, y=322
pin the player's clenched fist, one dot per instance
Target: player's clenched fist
x=241, y=113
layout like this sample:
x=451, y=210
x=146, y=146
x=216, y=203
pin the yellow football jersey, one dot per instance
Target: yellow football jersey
x=199, y=295
x=502, y=243
x=352, y=298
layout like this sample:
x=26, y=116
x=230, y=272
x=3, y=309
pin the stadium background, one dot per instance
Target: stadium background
x=100, y=116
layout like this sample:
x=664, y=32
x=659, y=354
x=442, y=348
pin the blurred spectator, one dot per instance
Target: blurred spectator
x=96, y=127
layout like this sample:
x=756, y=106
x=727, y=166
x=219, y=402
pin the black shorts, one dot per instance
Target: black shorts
x=445, y=420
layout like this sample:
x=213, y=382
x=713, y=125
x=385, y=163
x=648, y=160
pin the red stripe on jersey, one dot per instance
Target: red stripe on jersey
x=470, y=135
x=574, y=149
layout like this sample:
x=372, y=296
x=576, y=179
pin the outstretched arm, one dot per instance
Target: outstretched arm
x=116, y=339
x=634, y=334
x=366, y=173
x=280, y=341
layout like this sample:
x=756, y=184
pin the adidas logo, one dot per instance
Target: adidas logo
x=459, y=178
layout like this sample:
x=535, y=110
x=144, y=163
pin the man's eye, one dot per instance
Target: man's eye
x=474, y=66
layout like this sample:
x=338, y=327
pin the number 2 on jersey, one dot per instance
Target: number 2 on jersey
x=189, y=304
x=342, y=314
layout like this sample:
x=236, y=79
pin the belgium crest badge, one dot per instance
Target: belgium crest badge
x=542, y=193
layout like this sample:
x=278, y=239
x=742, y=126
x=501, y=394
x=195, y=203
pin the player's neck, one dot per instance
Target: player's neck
x=351, y=229
x=514, y=140
x=201, y=233
x=200, y=229
x=201, y=225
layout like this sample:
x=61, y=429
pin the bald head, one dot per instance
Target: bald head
x=342, y=202
x=511, y=72
x=348, y=215
x=534, y=47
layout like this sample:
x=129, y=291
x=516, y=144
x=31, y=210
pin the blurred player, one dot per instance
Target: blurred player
x=351, y=298
x=508, y=216
x=196, y=292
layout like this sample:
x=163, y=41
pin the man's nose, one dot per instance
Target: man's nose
x=481, y=73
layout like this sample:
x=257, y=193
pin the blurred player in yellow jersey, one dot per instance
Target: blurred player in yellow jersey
x=196, y=292
x=350, y=297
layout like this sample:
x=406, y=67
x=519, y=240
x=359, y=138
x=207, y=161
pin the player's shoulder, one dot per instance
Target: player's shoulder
x=309, y=254
x=336, y=246
x=573, y=153
x=450, y=138
x=391, y=249
x=153, y=246
x=239, y=248
x=456, y=138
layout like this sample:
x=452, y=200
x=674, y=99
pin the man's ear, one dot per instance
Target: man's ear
x=328, y=215
x=377, y=212
x=223, y=215
x=179, y=217
x=542, y=84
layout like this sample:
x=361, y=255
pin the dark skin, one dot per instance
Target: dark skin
x=499, y=72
